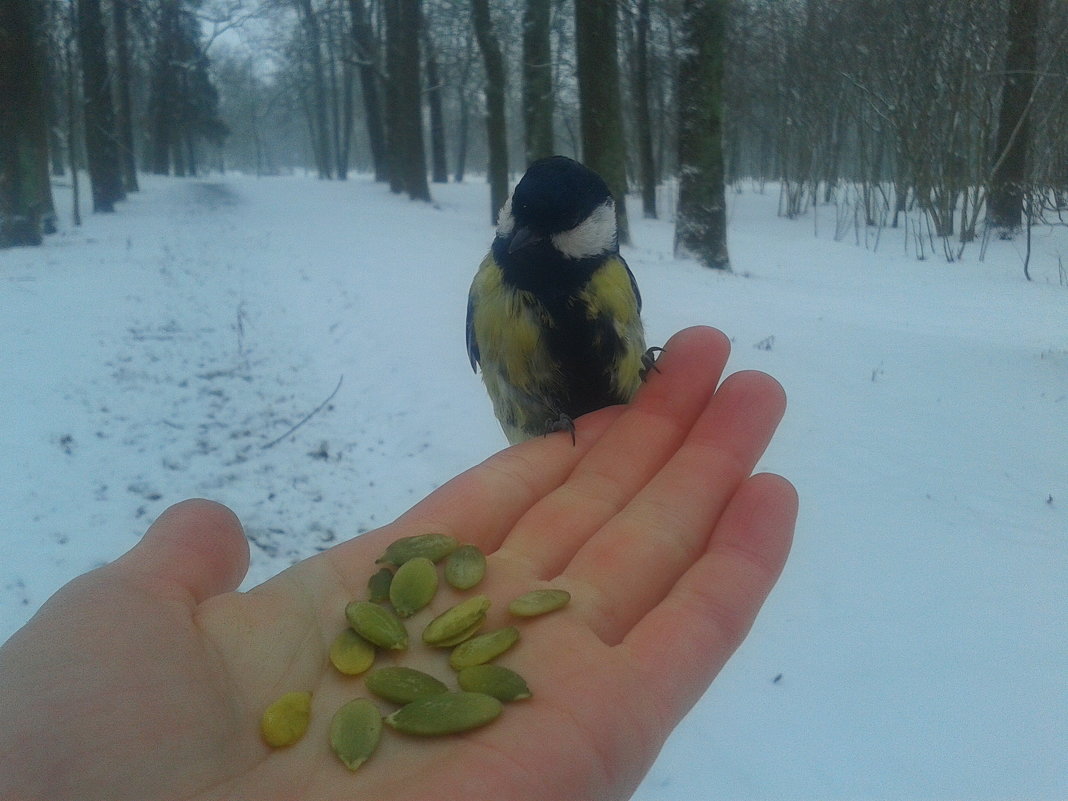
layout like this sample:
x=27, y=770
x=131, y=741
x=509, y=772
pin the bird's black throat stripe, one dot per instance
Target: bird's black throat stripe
x=581, y=340
x=540, y=268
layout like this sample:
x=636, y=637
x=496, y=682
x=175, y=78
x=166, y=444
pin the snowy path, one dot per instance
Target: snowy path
x=160, y=359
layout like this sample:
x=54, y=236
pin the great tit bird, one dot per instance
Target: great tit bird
x=553, y=315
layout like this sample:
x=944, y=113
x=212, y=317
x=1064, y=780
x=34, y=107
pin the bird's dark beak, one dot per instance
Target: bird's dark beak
x=523, y=237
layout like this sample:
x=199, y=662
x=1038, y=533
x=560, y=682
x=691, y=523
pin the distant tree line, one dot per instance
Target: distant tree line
x=956, y=109
x=108, y=86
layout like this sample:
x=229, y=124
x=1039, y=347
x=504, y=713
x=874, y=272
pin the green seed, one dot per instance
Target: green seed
x=377, y=624
x=539, y=602
x=413, y=586
x=462, y=636
x=402, y=685
x=500, y=682
x=483, y=648
x=465, y=567
x=462, y=619
x=351, y=654
x=434, y=547
x=378, y=586
x=285, y=721
x=447, y=713
x=355, y=731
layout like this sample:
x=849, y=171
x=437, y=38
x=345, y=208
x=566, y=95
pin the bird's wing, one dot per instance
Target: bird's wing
x=633, y=283
x=472, y=343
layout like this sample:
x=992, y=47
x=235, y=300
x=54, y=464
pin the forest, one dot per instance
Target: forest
x=957, y=109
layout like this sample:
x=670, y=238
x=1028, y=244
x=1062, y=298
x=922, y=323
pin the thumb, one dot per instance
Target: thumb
x=198, y=545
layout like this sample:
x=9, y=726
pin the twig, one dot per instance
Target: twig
x=307, y=417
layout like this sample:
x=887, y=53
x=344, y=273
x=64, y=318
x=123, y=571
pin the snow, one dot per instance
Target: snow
x=917, y=644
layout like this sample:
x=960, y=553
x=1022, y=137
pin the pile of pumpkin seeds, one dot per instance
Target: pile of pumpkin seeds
x=406, y=583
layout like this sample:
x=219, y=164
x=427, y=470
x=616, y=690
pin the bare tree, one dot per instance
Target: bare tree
x=407, y=154
x=463, y=111
x=537, y=80
x=643, y=115
x=123, y=110
x=601, y=115
x=1014, y=125
x=312, y=48
x=25, y=193
x=496, y=124
x=439, y=169
x=701, y=222
x=366, y=53
x=101, y=144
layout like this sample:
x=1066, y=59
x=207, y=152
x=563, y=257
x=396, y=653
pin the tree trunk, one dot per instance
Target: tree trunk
x=537, y=80
x=320, y=131
x=336, y=104
x=191, y=153
x=461, y=142
x=461, y=134
x=25, y=193
x=348, y=83
x=701, y=221
x=123, y=120
x=496, y=124
x=70, y=78
x=54, y=89
x=1014, y=124
x=643, y=117
x=395, y=128
x=463, y=98
x=163, y=101
x=408, y=157
x=366, y=56
x=439, y=170
x=601, y=114
x=101, y=145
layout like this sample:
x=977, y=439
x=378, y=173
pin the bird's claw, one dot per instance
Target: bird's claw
x=562, y=423
x=649, y=359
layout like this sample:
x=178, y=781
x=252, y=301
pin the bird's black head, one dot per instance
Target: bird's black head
x=562, y=204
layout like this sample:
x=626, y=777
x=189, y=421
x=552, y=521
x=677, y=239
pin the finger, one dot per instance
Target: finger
x=195, y=546
x=481, y=505
x=638, y=444
x=635, y=559
x=712, y=607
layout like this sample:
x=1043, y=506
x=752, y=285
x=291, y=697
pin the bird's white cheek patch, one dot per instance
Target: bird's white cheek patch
x=592, y=237
x=505, y=220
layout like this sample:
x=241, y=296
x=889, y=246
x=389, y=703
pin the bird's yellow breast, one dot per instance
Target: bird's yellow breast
x=508, y=325
x=610, y=295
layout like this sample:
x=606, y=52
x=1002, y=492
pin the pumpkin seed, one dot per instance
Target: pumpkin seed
x=462, y=636
x=351, y=654
x=377, y=624
x=285, y=721
x=500, y=682
x=446, y=713
x=465, y=567
x=539, y=602
x=413, y=586
x=434, y=547
x=462, y=619
x=378, y=586
x=355, y=731
x=483, y=648
x=402, y=685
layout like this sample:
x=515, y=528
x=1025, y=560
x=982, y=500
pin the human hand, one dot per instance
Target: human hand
x=146, y=679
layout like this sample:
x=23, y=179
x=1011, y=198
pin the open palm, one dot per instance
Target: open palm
x=146, y=679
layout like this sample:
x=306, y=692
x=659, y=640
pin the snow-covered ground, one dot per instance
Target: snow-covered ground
x=917, y=644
